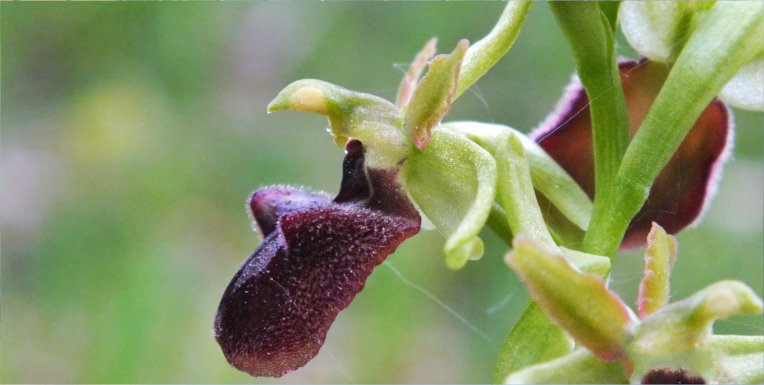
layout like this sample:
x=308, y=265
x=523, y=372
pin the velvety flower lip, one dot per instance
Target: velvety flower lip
x=684, y=187
x=315, y=257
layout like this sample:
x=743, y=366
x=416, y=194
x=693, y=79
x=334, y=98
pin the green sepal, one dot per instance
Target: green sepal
x=372, y=120
x=578, y=302
x=432, y=97
x=660, y=255
x=578, y=367
x=453, y=182
x=515, y=191
x=487, y=51
x=548, y=177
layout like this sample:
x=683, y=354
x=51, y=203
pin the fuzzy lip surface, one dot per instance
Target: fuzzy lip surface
x=682, y=190
x=315, y=257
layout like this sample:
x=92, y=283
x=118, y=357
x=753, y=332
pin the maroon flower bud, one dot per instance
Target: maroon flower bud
x=315, y=257
x=681, y=191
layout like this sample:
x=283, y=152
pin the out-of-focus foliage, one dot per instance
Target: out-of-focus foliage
x=133, y=132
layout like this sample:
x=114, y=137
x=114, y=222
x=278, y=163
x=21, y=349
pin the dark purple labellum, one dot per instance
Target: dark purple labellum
x=316, y=256
x=682, y=189
x=668, y=376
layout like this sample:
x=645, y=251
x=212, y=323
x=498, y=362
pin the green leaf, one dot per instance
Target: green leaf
x=486, y=52
x=372, y=120
x=548, y=177
x=432, y=97
x=453, y=181
x=411, y=78
x=578, y=367
x=579, y=302
x=679, y=332
x=659, y=260
x=533, y=339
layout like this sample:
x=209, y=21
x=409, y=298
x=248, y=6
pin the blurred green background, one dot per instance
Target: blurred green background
x=133, y=132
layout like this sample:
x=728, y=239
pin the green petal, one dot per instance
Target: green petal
x=659, y=260
x=548, y=177
x=432, y=98
x=411, y=78
x=453, y=181
x=580, y=303
x=372, y=120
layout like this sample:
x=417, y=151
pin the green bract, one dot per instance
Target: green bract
x=548, y=177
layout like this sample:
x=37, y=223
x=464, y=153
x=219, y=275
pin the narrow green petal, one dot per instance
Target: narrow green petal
x=411, y=78
x=659, y=260
x=453, y=181
x=580, y=303
x=432, y=97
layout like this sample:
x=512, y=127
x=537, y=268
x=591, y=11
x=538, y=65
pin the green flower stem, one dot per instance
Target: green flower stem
x=482, y=55
x=731, y=36
x=591, y=39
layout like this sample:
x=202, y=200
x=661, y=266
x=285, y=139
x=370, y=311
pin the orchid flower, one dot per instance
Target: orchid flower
x=404, y=163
